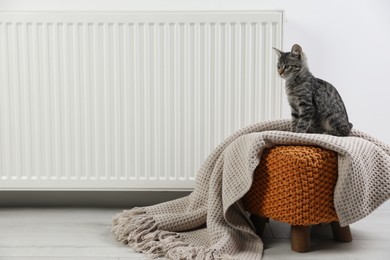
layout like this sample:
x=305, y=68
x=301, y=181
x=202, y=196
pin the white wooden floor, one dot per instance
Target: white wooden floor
x=84, y=234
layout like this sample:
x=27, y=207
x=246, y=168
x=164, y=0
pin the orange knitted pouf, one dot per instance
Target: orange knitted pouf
x=295, y=184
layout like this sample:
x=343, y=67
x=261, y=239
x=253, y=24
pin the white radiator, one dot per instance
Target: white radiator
x=120, y=100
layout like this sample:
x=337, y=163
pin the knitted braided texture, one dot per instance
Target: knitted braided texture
x=294, y=184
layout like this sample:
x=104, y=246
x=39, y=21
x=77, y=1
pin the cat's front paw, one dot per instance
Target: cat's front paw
x=293, y=127
x=300, y=130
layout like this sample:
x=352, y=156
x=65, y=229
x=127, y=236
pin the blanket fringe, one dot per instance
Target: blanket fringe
x=138, y=230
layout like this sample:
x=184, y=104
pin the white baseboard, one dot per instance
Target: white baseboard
x=110, y=199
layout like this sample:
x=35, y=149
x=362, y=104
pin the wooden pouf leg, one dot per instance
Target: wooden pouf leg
x=259, y=223
x=300, y=238
x=341, y=234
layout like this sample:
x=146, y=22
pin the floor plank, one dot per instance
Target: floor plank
x=85, y=234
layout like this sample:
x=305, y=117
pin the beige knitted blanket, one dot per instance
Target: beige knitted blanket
x=211, y=223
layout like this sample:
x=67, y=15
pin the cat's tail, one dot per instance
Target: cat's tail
x=342, y=130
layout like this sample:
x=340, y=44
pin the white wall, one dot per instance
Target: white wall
x=347, y=43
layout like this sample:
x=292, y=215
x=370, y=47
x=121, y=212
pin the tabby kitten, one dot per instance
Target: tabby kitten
x=316, y=106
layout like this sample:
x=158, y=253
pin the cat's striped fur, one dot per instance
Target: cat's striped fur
x=316, y=106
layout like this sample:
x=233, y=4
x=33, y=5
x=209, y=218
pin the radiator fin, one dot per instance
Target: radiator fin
x=129, y=100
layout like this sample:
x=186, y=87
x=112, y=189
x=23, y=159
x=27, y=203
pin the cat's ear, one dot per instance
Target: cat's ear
x=277, y=52
x=296, y=51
